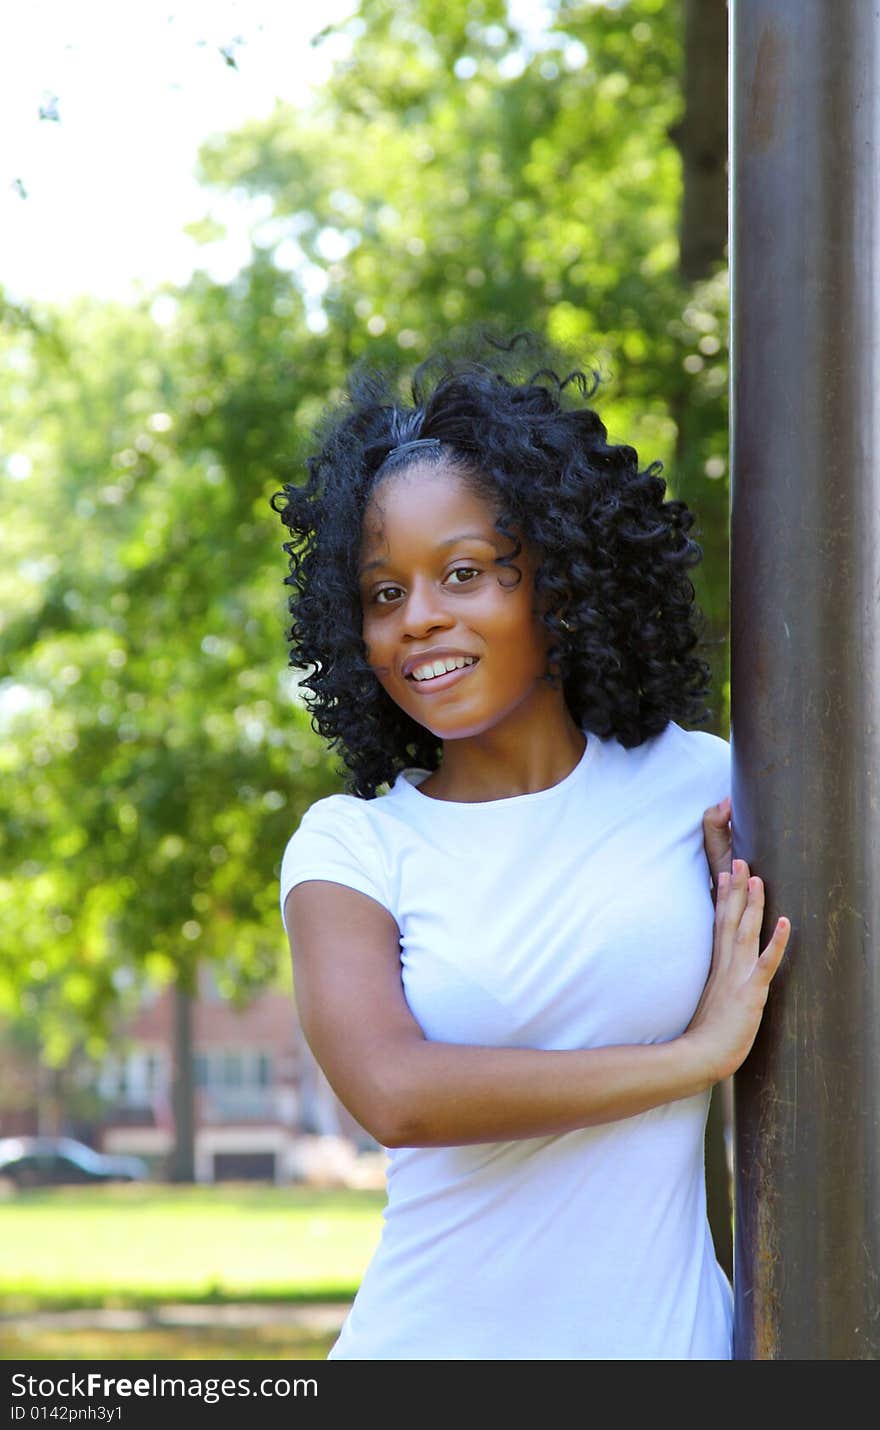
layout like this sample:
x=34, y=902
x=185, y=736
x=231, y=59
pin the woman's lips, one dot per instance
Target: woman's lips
x=442, y=682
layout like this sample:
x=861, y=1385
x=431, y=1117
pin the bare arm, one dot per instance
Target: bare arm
x=408, y=1091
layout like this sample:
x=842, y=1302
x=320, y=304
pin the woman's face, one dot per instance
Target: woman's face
x=429, y=589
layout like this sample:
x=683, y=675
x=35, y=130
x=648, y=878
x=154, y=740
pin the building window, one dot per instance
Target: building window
x=233, y=1068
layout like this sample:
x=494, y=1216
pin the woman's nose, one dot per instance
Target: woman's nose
x=424, y=607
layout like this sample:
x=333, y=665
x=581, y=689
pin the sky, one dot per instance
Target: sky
x=95, y=201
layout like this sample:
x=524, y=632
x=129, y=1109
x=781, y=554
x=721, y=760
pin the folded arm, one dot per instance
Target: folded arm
x=409, y=1091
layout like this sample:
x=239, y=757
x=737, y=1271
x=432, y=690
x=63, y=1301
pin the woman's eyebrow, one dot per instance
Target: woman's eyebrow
x=450, y=541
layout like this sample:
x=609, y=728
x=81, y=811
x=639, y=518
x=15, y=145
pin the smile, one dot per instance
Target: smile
x=438, y=683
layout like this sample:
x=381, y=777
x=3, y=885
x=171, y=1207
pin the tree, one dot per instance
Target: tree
x=156, y=763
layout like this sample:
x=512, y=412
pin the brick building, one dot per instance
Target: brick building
x=261, y=1099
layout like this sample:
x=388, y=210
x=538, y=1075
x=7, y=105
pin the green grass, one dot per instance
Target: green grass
x=143, y=1244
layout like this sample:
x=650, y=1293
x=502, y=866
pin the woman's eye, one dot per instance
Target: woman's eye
x=456, y=571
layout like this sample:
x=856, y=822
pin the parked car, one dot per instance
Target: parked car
x=59, y=1161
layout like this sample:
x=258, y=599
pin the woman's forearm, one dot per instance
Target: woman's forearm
x=448, y=1094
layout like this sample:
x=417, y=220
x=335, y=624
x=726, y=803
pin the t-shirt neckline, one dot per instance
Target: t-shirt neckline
x=409, y=778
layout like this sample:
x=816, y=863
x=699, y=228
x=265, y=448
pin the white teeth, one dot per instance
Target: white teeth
x=440, y=667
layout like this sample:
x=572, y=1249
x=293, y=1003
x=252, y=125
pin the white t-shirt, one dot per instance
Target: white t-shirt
x=579, y=916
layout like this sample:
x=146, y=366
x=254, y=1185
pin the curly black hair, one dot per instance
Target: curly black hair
x=614, y=554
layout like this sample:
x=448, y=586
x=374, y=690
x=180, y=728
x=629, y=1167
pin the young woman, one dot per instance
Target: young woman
x=507, y=960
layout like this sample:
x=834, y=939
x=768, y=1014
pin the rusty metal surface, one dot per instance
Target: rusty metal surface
x=805, y=664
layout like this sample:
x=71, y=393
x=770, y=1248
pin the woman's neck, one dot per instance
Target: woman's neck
x=521, y=754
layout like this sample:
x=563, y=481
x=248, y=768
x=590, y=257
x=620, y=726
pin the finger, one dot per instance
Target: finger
x=720, y=865
x=738, y=890
x=753, y=914
x=721, y=893
x=772, y=956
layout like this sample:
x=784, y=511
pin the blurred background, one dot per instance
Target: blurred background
x=209, y=212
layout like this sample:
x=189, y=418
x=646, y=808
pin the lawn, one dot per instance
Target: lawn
x=144, y=1244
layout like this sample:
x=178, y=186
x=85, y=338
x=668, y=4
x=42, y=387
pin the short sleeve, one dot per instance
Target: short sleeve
x=334, y=841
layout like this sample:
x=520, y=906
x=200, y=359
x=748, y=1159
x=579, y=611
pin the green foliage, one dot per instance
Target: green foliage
x=160, y=760
x=547, y=197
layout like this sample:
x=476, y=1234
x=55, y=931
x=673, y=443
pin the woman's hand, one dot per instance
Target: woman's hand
x=730, y=1009
x=718, y=839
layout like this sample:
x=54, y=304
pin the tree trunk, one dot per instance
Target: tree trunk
x=701, y=137
x=183, y=1154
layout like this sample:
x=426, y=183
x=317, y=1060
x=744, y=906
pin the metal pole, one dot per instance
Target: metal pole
x=805, y=665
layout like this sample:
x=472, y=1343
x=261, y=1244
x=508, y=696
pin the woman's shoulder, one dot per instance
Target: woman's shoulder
x=341, y=814
x=696, y=747
x=701, y=742
x=702, y=748
x=331, y=807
